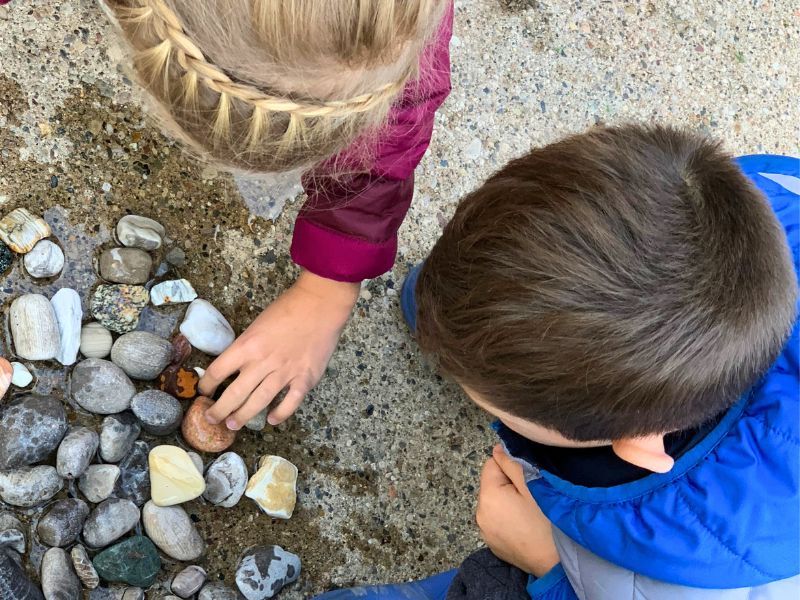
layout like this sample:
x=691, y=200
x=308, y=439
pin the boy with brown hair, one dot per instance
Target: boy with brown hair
x=624, y=302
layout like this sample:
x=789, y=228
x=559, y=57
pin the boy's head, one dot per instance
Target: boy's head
x=618, y=284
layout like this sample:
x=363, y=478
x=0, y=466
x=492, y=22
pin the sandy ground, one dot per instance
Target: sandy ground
x=389, y=453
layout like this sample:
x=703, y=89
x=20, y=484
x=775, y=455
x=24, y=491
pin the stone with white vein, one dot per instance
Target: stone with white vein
x=175, y=291
x=69, y=314
x=45, y=260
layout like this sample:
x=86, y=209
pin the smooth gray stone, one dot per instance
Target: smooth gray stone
x=63, y=522
x=188, y=582
x=109, y=521
x=226, y=480
x=158, y=412
x=76, y=452
x=125, y=265
x=30, y=430
x=117, y=435
x=59, y=580
x=27, y=487
x=101, y=387
x=98, y=481
x=142, y=355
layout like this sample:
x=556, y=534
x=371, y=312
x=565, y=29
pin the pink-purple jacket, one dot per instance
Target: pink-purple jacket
x=347, y=230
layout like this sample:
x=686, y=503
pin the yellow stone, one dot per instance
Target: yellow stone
x=273, y=486
x=174, y=478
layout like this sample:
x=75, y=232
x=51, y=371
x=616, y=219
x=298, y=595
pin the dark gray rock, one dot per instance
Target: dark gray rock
x=265, y=570
x=101, y=387
x=62, y=524
x=30, y=430
x=134, y=478
x=14, y=583
x=158, y=412
x=117, y=435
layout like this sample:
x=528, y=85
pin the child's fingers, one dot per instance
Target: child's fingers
x=218, y=371
x=511, y=468
x=289, y=404
x=270, y=387
x=236, y=394
x=493, y=476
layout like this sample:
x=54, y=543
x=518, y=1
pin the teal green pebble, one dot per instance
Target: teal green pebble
x=134, y=561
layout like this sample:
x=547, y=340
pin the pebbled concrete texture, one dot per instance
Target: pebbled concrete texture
x=389, y=453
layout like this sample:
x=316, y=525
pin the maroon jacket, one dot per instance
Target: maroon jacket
x=347, y=230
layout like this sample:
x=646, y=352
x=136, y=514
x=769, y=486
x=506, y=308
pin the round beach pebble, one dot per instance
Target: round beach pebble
x=118, y=307
x=125, y=265
x=96, y=340
x=63, y=522
x=159, y=413
x=101, y=387
x=45, y=260
x=202, y=435
x=142, y=355
x=179, y=381
x=135, y=231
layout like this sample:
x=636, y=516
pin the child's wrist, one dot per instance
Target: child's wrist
x=341, y=293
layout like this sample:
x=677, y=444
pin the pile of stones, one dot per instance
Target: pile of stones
x=92, y=508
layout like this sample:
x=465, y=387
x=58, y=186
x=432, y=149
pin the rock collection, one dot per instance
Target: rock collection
x=105, y=501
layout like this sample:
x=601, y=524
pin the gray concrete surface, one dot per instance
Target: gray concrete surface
x=389, y=453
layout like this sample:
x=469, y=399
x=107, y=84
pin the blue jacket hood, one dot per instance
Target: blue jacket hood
x=728, y=514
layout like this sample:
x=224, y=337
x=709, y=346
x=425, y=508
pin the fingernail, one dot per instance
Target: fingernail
x=232, y=425
x=272, y=420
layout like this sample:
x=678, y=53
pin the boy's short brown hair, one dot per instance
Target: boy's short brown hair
x=622, y=282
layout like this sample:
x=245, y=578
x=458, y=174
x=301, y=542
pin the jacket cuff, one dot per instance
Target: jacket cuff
x=337, y=256
x=553, y=585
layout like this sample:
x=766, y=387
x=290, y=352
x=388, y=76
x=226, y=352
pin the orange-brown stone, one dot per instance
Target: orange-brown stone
x=178, y=381
x=6, y=372
x=202, y=435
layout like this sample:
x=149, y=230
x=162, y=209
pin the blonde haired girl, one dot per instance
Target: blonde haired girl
x=347, y=90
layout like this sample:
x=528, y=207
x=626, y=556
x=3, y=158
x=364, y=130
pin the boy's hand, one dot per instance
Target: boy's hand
x=511, y=523
x=288, y=345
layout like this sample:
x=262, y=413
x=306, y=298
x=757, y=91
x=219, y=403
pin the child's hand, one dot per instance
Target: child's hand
x=288, y=345
x=511, y=523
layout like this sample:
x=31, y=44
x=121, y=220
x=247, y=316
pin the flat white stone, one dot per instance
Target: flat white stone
x=21, y=376
x=174, y=478
x=69, y=314
x=206, y=328
x=176, y=291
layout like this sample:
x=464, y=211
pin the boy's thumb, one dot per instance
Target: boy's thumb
x=511, y=468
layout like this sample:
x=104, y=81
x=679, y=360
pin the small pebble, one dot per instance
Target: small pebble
x=141, y=355
x=109, y=521
x=134, y=561
x=31, y=428
x=59, y=580
x=226, y=480
x=106, y=187
x=174, y=479
x=96, y=340
x=21, y=231
x=197, y=461
x=178, y=291
x=21, y=376
x=46, y=259
x=217, y=591
x=6, y=258
x=188, y=582
x=101, y=387
x=84, y=568
x=158, y=412
x=134, y=475
x=29, y=486
x=202, y=435
x=117, y=435
x=125, y=265
x=98, y=482
x=118, y=306
x=176, y=257
x=172, y=531
x=133, y=593
x=206, y=328
x=34, y=328
x=258, y=422
x=179, y=382
x=273, y=487
x=140, y=232
x=265, y=570
x=63, y=522
x=76, y=452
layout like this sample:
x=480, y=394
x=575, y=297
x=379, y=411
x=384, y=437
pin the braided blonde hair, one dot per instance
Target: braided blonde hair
x=271, y=85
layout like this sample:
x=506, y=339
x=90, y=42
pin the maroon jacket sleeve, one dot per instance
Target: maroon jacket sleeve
x=347, y=230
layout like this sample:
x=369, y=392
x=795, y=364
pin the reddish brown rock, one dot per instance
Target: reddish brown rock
x=202, y=435
x=6, y=371
x=178, y=381
x=181, y=349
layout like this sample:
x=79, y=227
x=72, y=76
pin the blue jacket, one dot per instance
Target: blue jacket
x=724, y=523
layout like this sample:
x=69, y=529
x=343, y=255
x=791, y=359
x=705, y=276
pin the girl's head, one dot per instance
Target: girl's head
x=271, y=85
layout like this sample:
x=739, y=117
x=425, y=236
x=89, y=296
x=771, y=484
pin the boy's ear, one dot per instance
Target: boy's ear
x=645, y=452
